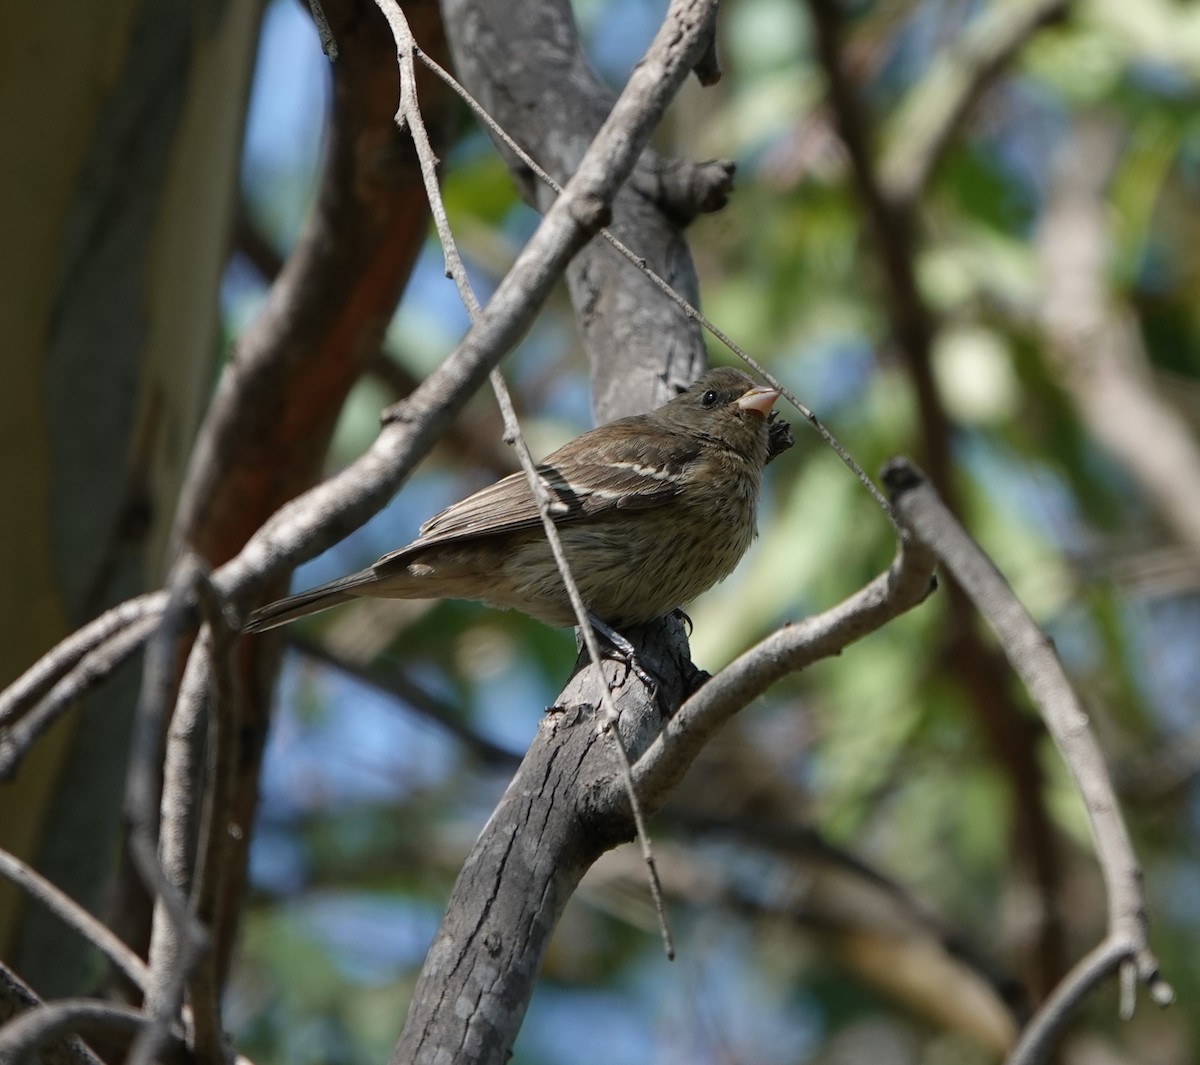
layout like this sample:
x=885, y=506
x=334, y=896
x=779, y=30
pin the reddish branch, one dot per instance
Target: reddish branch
x=266, y=434
x=893, y=225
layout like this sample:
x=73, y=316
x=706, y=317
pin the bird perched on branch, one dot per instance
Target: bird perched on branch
x=652, y=510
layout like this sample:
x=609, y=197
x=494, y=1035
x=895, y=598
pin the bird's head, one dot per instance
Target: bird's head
x=728, y=406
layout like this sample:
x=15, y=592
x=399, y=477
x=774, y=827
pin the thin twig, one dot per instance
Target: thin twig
x=177, y=939
x=70, y=912
x=171, y=909
x=23, y=692
x=398, y=684
x=158, y=689
x=408, y=114
x=220, y=707
x=1040, y=1035
x=324, y=32
x=97, y=662
x=180, y=940
x=664, y=287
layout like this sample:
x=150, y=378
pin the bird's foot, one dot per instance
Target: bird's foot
x=625, y=652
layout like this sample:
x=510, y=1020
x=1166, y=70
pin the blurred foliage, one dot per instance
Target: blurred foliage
x=369, y=809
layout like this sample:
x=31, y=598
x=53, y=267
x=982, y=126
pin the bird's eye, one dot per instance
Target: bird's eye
x=709, y=399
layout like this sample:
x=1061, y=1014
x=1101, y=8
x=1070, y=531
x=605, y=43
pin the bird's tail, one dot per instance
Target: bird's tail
x=304, y=603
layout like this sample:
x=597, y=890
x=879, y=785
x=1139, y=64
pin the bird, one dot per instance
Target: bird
x=651, y=509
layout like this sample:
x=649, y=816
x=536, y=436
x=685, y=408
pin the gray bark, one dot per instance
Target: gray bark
x=523, y=62
x=562, y=811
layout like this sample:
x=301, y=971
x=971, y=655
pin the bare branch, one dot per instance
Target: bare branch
x=17, y=997
x=145, y=791
x=66, y=656
x=1040, y=1036
x=474, y=439
x=71, y=913
x=327, y=513
x=37, y=1027
x=640, y=348
x=95, y=666
x=328, y=43
x=410, y=113
x=220, y=706
x=1033, y=658
x=266, y=432
x=551, y=824
x=906, y=584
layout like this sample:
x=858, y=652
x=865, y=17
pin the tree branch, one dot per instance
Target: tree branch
x=35, y=1028
x=548, y=828
x=16, y=998
x=566, y=805
x=906, y=584
x=894, y=228
x=71, y=913
x=640, y=347
x=66, y=656
x=327, y=513
x=1033, y=658
x=937, y=106
x=1096, y=347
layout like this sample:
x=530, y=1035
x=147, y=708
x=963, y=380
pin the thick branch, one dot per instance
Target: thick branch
x=640, y=345
x=567, y=804
x=523, y=869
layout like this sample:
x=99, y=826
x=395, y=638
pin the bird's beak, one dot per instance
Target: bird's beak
x=759, y=400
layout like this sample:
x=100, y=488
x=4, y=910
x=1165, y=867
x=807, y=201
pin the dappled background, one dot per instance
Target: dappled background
x=883, y=855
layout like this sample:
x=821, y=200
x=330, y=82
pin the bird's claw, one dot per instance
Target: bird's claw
x=624, y=652
x=683, y=616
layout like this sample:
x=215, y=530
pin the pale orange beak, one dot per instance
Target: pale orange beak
x=759, y=400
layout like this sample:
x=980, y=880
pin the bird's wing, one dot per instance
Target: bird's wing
x=627, y=468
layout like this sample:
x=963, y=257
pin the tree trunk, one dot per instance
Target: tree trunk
x=126, y=122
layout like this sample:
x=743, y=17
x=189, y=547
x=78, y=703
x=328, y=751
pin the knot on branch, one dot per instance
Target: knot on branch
x=591, y=212
x=683, y=189
x=708, y=67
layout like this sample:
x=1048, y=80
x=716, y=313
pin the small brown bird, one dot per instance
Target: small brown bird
x=652, y=510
